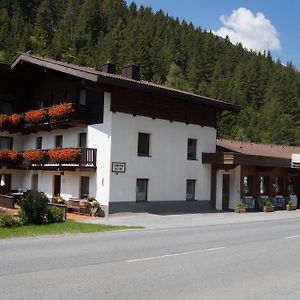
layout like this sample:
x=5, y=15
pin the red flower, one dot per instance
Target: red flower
x=60, y=111
x=63, y=155
x=9, y=155
x=35, y=116
x=15, y=119
x=35, y=156
x=13, y=155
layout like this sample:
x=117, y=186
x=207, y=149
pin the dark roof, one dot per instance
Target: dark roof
x=95, y=75
x=258, y=149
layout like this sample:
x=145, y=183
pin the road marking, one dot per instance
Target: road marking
x=174, y=254
x=292, y=237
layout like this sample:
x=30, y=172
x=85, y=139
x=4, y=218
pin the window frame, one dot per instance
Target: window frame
x=11, y=139
x=57, y=137
x=82, y=194
x=194, y=190
x=146, y=182
x=147, y=152
x=79, y=139
x=195, y=156
x=39, y=142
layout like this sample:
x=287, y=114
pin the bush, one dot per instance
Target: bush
x=22, y=218
x=55, y=215
x=7, y=221
x=34, y=206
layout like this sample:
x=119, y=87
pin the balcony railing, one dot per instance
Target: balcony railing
x=62, y=115
x=68, y=159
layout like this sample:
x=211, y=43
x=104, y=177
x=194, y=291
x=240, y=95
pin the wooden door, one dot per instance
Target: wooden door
x=225, y=193
x=57, y=185
x=7, y=187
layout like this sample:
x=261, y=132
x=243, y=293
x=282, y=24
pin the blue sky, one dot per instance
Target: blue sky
x=275, y=23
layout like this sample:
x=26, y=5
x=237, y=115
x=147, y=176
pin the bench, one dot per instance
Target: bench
x=73, y=204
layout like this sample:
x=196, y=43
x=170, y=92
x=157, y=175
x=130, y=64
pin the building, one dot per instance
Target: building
x=137, y=141
x=241, y=169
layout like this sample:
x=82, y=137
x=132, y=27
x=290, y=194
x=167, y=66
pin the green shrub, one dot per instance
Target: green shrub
x=34, y=206
x=7, y=221
x=22, y=218
x=55, y=215
x=268, y=203
x=240, y=204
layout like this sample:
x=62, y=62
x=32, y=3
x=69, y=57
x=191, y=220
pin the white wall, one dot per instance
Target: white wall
x=168, y=168
x=219, y=189
x=235, y=187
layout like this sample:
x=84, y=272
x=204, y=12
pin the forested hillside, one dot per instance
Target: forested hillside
x=170, y=52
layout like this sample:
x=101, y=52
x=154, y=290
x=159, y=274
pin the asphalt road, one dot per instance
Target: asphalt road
x=238, y=261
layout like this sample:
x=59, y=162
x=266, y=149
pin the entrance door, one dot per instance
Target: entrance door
x=57, y=184
x=6, y=187
x=225, y=194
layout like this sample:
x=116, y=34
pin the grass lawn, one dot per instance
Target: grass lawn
x=58, y=228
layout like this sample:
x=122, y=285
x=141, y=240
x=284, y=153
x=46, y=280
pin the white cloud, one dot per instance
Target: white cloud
x=253, y=31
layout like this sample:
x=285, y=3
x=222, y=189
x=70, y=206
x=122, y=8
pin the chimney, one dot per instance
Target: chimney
x=108, y=68
x=132, y=72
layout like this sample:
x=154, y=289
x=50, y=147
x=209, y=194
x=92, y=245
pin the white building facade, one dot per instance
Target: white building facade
x=136, y=154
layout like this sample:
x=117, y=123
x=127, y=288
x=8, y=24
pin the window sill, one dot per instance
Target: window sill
x=193, y=159
x=141, y=155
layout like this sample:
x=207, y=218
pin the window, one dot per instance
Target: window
x=82, y=140
x=39, y=142
x=277, y=184
x=263, y=185
x=192, y=149
x=59, y=141
x=84, y=186
x=141, y=190
x=6, y=142
x=190, y=189
x=143, y=144
x=82, y=97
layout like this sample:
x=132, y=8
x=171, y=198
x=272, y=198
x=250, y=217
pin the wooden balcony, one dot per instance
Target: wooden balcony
x=77, y=118
x=85, y=161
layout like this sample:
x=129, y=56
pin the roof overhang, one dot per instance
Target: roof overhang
x=227, y=159
x=54, y=66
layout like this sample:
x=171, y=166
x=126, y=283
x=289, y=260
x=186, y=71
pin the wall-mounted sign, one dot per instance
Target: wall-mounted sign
x=118, y=167
x=296, y=161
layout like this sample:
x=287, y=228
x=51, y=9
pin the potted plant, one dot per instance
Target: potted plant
x=35, y=116
x=35, y=156
x=240, y=207
x=58, y=199
x=290, y=206
x=60, y=155
x=268, y=206
x=60, y=111
x=15, y=120
x=9, y=156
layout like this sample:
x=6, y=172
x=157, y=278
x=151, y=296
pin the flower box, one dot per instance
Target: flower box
x=9, y=156
x=268, y=208
x=35, y=116
x=15, y=120
x=290, y=207
x=240, y=210
x=60, y=111
x=35, y=156
x=60, y=155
